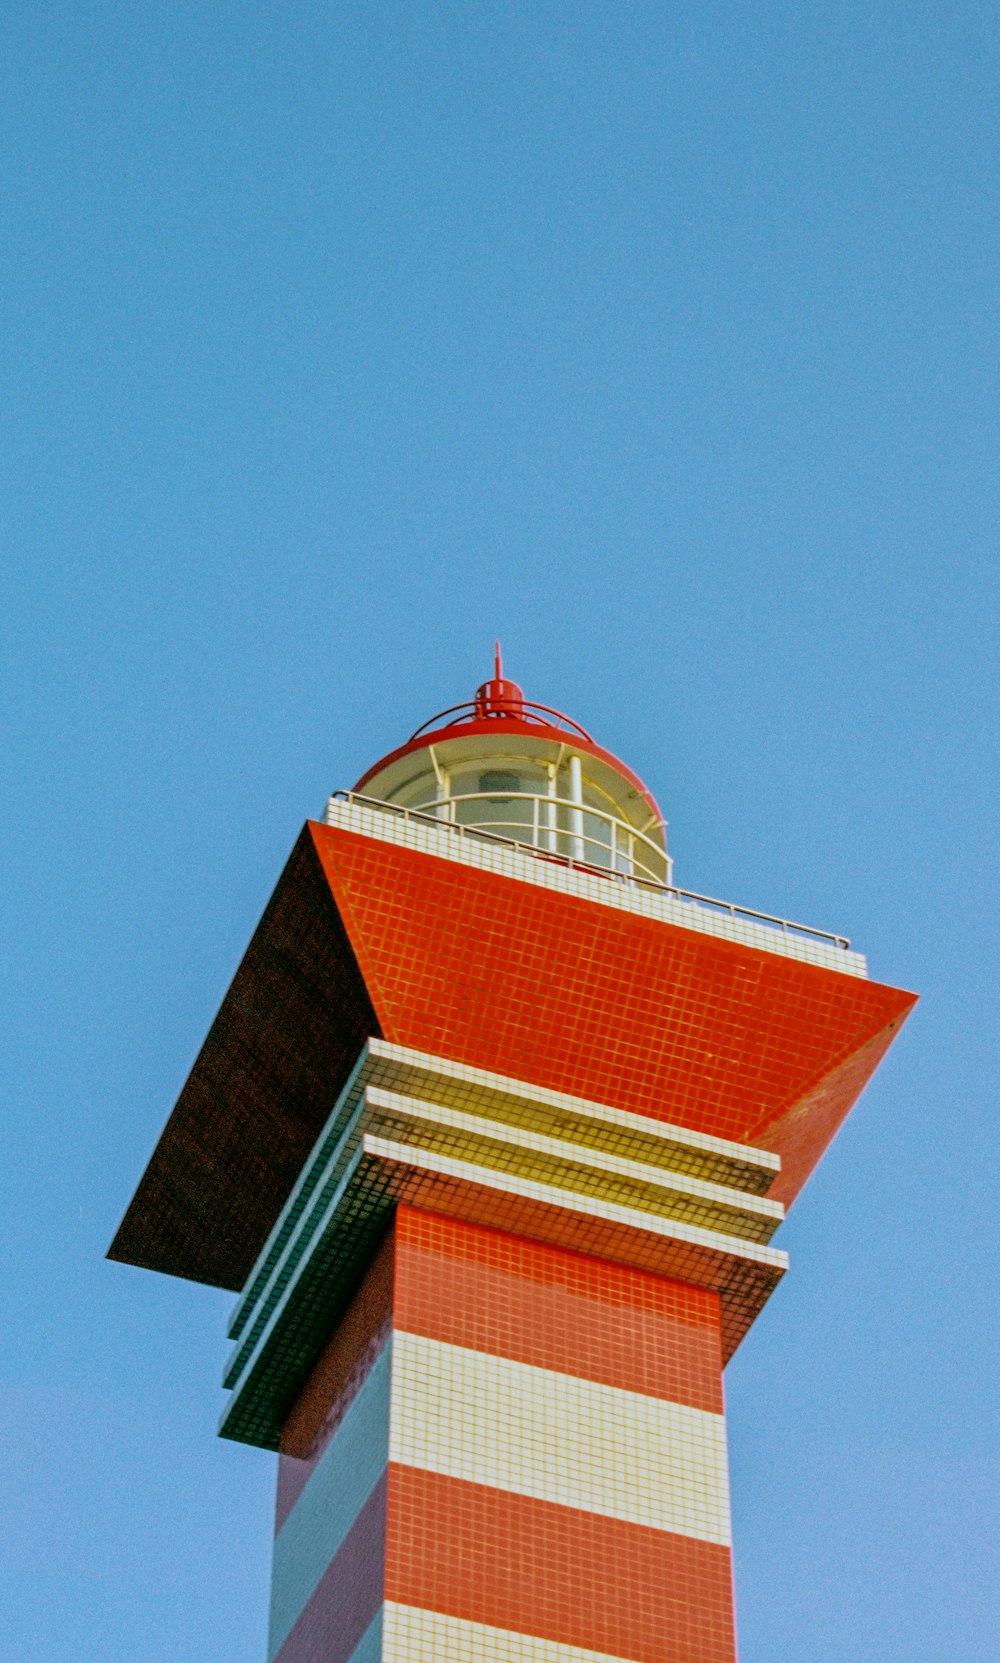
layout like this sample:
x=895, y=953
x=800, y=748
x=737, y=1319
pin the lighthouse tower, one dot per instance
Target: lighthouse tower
x=491, y=1137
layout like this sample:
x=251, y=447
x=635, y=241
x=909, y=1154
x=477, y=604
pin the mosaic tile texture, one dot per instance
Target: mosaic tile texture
x=495, y=1152
x=555, y=982
x=524, y=1510
x=489, y=1420
x=606, y=888
x=320, y=1524
x=479, y=1156
x=604, y=1004
x=429, y=1637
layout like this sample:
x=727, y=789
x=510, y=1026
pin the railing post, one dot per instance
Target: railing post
x=576, y=812
x=552, y=811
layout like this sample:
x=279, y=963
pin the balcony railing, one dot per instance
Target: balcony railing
x=437, y=814
x=558, y=826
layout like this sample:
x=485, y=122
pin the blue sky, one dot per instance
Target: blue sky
x=659, y=340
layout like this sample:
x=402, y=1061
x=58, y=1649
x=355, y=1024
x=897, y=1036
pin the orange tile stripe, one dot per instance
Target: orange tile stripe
x=556, y=1309
x=490, y=1556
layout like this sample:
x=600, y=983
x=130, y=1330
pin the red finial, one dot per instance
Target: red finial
x=499, y=697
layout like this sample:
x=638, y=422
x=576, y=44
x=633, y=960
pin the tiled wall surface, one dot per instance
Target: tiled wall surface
x=531, y=1465
x=334, y=1502
x=507, y=1297
x=604, y=1004
x=647, y=901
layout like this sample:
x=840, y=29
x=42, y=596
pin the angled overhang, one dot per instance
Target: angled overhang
x=367, y=936
x=285, y=1039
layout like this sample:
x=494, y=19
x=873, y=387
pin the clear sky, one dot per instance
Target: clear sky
x=660, y=340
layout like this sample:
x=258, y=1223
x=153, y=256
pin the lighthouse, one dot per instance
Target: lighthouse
x=491, y=1139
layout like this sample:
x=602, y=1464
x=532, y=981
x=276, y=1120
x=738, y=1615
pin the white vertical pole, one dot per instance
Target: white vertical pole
x=551, y=842
x=576, y=844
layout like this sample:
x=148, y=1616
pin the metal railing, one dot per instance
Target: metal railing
x=731, y=908
x=624, y=850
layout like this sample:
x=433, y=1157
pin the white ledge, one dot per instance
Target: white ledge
x=489, y=854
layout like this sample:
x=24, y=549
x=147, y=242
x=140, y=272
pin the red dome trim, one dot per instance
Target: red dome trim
x=524, y=727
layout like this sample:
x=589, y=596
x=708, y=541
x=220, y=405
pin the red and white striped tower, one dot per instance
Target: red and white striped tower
x=492, y=1133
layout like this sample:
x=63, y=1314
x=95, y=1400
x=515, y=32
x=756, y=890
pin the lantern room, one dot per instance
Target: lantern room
x=505, y=767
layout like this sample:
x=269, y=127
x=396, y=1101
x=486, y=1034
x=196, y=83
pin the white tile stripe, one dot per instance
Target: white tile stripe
x=662, y=1180
x=627, y=897
x=572, y=1201
x=383, y=1051
x=416, y=1636
x=380, y=1055
x=335, y=1493
x=558, y=1438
